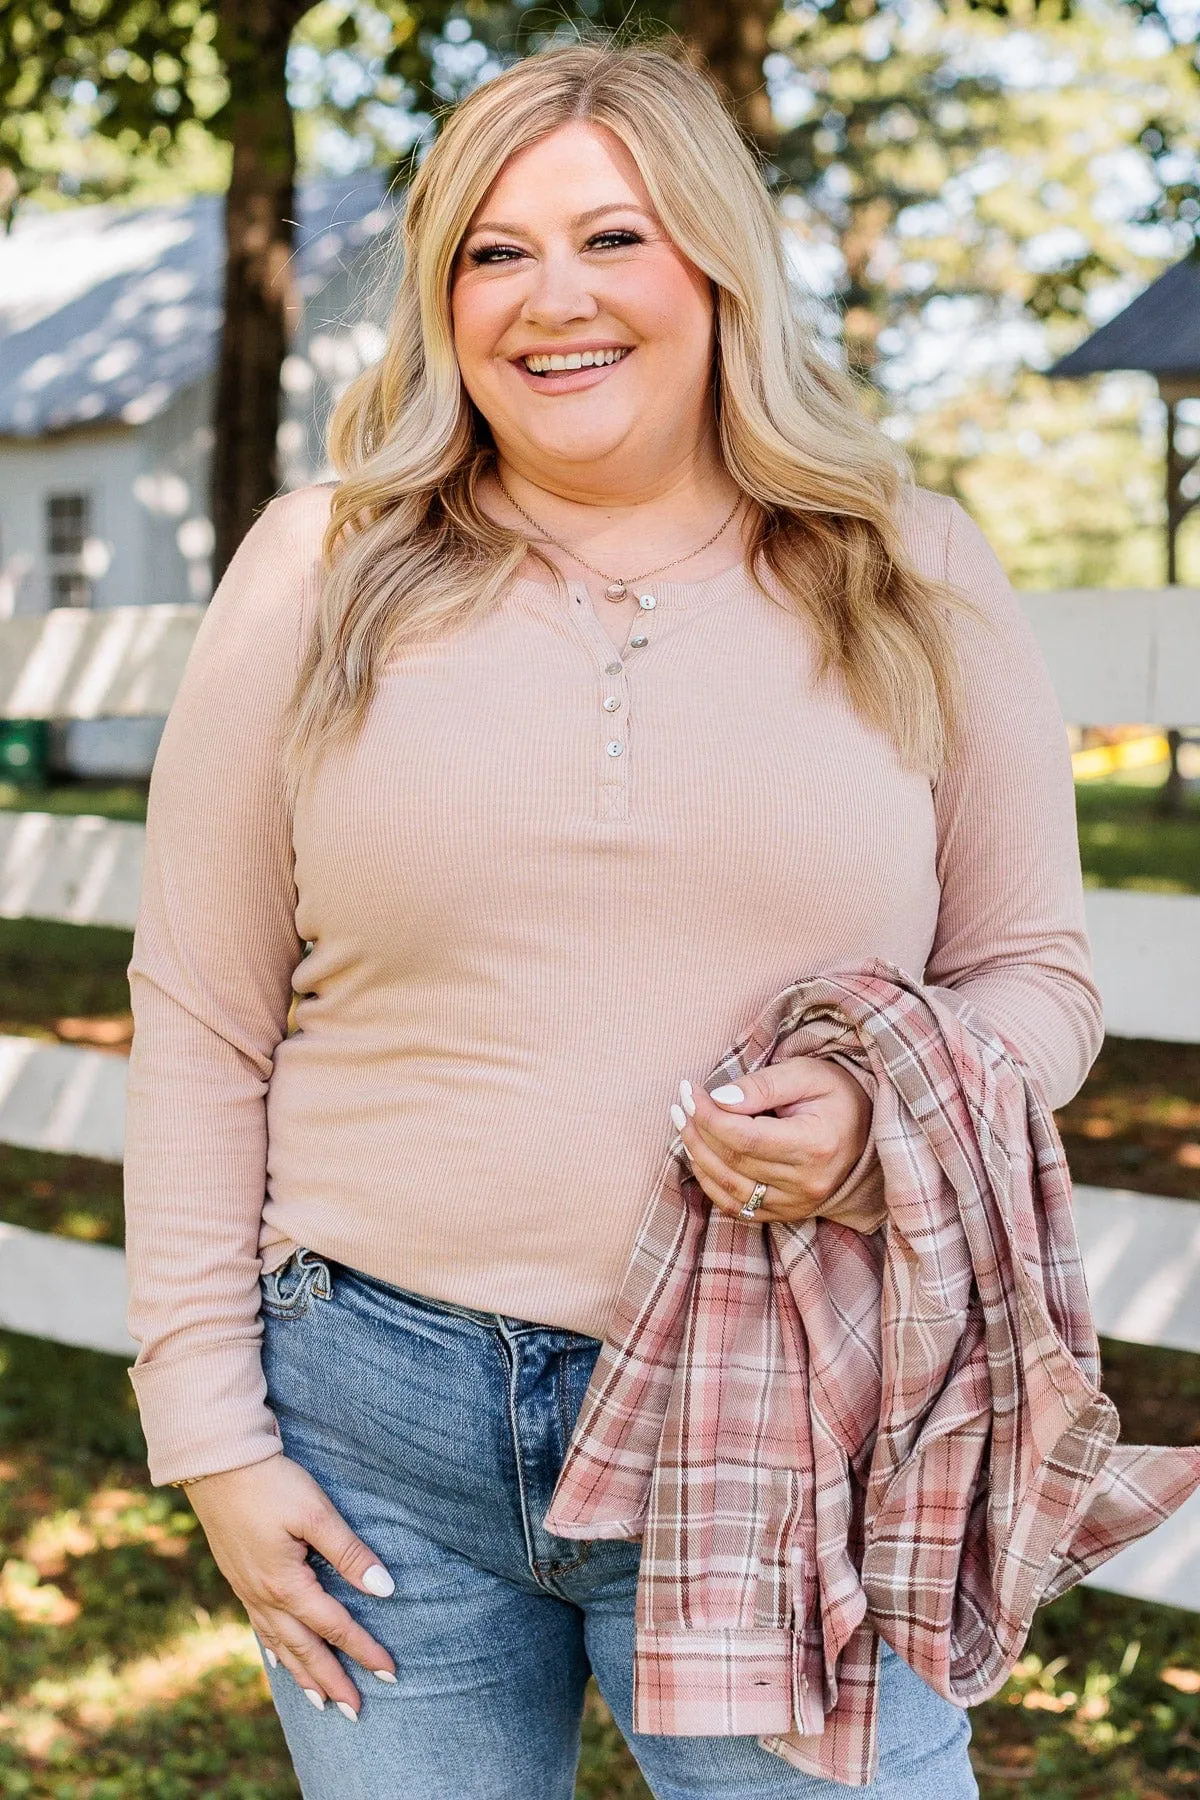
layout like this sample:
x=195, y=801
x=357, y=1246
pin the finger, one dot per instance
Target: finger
x=790, y=1174
x=724, y=1187
x=729, y=1190
x=791, y=1080
x=312, y=1663
x=777, y=1144
x=779, y=1170
x=337, y=1626
x=265, y=1643
x=758, y=1136
x=328, y=1533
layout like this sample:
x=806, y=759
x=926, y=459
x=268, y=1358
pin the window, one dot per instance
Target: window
x=68, y=527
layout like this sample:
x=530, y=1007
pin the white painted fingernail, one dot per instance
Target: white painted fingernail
x=318, y=1700
x=729, y=1095
x=272, y=1659
x=384, y=1675
x=678, y=1117
x=685, y=1094
x=347, y=1711
x=376, y=1580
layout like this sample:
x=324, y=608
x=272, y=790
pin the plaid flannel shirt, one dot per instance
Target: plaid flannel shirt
x=825, y=1437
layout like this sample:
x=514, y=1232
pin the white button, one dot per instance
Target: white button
x=614, y=748
x=647, y=602
x=612, y=668
x=639, y=642
x=612, y=704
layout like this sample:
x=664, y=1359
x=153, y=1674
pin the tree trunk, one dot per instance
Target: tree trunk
x=252, y=41
x=729, y=38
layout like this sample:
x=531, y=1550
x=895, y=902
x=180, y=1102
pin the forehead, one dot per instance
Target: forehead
x=572, y=169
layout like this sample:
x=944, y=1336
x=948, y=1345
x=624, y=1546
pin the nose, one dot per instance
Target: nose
x=559, y=294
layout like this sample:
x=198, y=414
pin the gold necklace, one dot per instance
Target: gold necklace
x=616, y=588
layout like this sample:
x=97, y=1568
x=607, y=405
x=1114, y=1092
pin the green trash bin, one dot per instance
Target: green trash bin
x=24, y=747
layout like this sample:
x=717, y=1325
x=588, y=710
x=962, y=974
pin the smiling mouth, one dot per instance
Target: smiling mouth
x=575, y=359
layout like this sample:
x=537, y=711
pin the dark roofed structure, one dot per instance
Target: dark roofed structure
x=1160, y=333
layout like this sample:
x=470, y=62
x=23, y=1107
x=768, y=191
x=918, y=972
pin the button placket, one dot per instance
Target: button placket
x=612, y=714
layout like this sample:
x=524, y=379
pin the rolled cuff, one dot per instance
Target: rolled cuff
x=205, y=1413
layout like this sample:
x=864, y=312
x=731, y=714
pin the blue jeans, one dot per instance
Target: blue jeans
x=438, y=1433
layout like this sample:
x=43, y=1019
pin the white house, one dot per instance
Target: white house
x=109, y=322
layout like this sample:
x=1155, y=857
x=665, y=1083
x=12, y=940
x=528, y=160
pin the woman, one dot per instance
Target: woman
x=618, y=680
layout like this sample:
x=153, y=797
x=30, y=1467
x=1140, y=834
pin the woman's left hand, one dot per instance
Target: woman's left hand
x=803, y=1154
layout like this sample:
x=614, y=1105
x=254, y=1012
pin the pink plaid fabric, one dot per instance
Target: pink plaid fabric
x=824, y=1438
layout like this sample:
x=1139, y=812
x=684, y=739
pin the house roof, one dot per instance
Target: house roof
x=1159, y=331
x=107, y=311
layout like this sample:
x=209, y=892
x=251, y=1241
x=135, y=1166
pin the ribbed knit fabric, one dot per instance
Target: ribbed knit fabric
x=530, y=916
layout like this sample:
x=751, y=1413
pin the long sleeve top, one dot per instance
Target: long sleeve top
x=544, y=882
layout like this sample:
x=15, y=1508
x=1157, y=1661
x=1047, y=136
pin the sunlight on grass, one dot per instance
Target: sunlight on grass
x=60, y=1713
x=1136, y=1121
x=1124, y=842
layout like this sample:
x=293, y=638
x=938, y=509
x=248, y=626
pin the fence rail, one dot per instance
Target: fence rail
x=1115, y=657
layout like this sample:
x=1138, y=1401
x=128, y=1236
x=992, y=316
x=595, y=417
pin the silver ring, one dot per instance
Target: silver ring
x=755, y=1201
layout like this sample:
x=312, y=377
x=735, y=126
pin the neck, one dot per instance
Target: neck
x=627, y=526
x=691, y=479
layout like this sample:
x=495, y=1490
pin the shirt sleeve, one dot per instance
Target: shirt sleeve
x=210, y=977
x=1011, y=937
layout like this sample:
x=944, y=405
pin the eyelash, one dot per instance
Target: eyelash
x=490, y=255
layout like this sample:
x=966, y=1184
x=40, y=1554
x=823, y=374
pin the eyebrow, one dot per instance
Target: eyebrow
x=582, y=218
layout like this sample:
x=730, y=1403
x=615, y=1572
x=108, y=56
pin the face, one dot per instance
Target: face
x=583, y=335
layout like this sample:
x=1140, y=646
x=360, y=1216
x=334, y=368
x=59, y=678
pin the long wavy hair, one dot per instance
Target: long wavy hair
x=411, y=554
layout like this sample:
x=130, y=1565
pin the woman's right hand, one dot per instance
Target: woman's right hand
x=260, y=1521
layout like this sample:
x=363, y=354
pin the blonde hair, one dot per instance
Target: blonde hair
x=410, y=552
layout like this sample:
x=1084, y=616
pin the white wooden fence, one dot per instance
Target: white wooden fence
x=1116, y=657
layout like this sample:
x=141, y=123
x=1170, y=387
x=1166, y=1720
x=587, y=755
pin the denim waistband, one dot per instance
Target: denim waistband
x=304, y=1259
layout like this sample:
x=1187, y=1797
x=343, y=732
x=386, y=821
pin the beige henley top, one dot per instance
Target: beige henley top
x=547, y=880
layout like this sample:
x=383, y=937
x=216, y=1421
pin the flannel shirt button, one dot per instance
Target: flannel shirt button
x=639, y=642
x=612, y=703
x=614, y=748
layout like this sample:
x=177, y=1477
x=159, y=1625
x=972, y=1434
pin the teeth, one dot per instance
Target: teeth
x=585, y=359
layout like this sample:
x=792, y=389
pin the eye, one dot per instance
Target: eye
x=615, y=239
x=493, y=253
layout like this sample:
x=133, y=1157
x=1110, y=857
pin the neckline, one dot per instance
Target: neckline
x=673, y=594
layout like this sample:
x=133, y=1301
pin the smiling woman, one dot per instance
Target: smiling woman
x=621, y=679
x=603, y=199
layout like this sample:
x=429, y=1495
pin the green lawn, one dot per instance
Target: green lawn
x=126, y=1670
x=108, y=799
x=1125, y=842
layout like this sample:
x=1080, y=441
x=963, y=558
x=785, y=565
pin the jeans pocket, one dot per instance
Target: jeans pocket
x=288, y=1292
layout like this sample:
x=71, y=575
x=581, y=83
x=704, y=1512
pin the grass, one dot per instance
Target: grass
x=1124, y=842
x=107, y=799
x=126, y=1669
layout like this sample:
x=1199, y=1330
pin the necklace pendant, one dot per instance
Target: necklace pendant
x=616, y=590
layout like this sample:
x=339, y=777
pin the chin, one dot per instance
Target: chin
x=575, y=443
